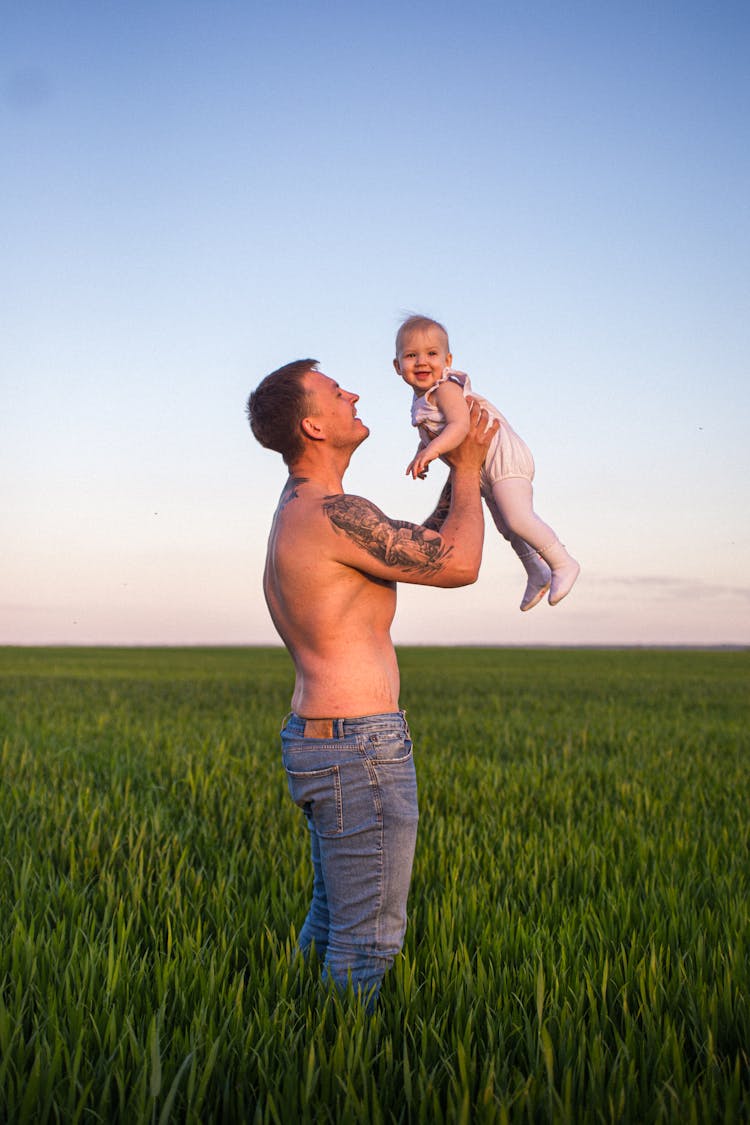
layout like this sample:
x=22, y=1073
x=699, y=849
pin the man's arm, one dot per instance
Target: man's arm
x=435, y=521
x=397, y=551
x=396, y=544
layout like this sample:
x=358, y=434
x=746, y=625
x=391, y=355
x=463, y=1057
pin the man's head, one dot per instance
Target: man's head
x=298, y=405
x=332, y=413
x=277, y=407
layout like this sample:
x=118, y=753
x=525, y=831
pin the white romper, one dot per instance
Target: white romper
x=508, y=454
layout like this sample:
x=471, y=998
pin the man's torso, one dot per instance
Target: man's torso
x=334, y=619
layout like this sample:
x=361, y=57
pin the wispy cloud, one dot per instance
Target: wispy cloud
x=668, y=586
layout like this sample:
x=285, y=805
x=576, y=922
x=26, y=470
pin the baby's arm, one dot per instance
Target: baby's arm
x=449, y=398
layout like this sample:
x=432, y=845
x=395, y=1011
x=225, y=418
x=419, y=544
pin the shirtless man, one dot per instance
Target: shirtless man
x=330, y=583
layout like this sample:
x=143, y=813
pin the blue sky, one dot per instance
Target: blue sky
x=195, y=193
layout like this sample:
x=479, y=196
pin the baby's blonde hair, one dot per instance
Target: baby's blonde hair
x=419, y=324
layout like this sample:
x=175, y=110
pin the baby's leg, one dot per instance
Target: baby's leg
x=514, y=500
x=537, y=571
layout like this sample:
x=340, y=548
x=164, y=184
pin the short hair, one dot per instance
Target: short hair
x=276, y=407
x=419, y=324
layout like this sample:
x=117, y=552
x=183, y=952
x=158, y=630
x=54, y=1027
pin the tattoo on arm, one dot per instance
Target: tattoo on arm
x=439, y=516
x=393, y=542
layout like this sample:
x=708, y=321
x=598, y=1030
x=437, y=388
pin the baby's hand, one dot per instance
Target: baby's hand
x=420, y=466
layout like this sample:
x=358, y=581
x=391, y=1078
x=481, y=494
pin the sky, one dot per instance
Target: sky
x=195, y=193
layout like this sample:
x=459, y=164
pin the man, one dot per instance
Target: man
x=330, y=583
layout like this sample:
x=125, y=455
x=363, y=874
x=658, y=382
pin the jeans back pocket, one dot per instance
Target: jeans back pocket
x=320, y=792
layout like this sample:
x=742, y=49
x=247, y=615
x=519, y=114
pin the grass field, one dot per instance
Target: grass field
x=578, y=947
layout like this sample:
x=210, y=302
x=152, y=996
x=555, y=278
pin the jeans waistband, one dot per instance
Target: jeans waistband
x=347, y=727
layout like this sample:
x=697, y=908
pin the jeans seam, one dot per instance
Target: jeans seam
x=373, y=776
x=303, y=745
x=381, y=883
x=380, y=821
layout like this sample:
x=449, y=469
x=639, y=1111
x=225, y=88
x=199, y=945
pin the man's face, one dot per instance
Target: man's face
x=423, y=357
x=334, y=410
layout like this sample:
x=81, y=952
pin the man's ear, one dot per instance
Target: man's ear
x=311, y=428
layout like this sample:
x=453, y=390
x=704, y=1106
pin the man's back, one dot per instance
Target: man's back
x=334, y=618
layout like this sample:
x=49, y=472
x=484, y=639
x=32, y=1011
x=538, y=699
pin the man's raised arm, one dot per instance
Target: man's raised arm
x=435, y=521
x=397, y=551
x=463, y=526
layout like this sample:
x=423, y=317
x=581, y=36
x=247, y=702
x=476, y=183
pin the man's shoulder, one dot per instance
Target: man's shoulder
x=307, y=514
x=325, y=520
x=349, y=502
x=305, y=503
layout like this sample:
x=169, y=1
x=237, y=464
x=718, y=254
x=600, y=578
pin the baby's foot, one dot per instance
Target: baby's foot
x=563, y=579
x=538, y=584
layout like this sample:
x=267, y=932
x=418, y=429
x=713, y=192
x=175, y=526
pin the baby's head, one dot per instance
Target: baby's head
x=422, y=352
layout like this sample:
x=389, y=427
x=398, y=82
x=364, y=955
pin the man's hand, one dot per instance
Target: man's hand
x=473, y=449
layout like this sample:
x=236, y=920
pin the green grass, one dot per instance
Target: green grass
x=578, y=939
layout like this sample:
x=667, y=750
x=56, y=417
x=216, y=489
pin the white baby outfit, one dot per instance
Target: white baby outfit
x=505, y=483
x=508, y=454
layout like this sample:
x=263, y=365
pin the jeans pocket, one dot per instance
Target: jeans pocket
x=389, y=748
x=392, y=765
x=318, y=792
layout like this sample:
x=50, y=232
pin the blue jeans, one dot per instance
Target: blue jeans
x=358, y=790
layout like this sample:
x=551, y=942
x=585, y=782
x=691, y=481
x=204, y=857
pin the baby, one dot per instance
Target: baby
x=441, y=414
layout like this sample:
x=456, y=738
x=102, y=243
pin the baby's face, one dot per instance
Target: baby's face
x=423, y=358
